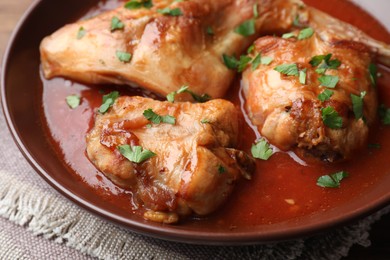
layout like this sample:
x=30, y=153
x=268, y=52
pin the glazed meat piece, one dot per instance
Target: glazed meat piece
x=195, y=166
x=168, y=51
x=323, y=107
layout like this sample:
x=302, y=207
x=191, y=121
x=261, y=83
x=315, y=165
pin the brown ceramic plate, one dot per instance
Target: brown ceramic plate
x=21, y=92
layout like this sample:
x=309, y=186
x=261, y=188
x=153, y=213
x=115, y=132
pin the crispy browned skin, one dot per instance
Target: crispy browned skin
x=195, y=168
x=288, y=113
x=168, y=51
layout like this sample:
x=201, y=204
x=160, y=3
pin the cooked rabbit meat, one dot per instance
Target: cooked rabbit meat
x=195, y=166
x=167, y=51
x=288, y=110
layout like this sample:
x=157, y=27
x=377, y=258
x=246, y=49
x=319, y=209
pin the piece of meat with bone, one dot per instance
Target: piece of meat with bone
x=183, y=46
x=317, y=97
x=182, y=156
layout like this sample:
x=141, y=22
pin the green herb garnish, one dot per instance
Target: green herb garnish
x=81, y=33
x=135, y=154
x=116, y=24
x=332, y=181
x=357, y=104
x=157, y=119
x=108, y=101
x=205, y=121
x=169, y=11
x=324, y=62
x=329, y=81
x=221, y=169
x=331, y=118
x=305, y=33
x=325, y=95
x=384, y=114
x=288, y=69
x=247, y=28
x=261, y=150
x=373, y=73
x=302, y=76
x=136, y=4
x=123, y=56
x=209, y=30
x=73, y=101
x=184, y=89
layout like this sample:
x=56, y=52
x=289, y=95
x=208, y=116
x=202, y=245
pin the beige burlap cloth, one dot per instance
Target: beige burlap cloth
x=38, y=223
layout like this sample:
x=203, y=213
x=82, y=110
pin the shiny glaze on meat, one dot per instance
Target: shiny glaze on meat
x=288, y=113
x=195, y=167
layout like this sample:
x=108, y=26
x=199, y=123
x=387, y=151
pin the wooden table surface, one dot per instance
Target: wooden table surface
x=10, y=13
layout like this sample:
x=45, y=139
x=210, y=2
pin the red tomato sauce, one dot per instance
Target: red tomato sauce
x=281, y=189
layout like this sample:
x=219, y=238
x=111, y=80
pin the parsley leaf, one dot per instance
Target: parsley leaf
x=255, y=11
x=209, y=30
x=324, y=62
x=266, y=60
x=244, y=61
x=305, y=33
x=172, y=12
x=357, y=104
x=221, y=169
x=184, y=89
x=373, y=73
x=136, y=4
x=332, y=181
x=331, y=118
x=247, y=28
x=289, y=35
x=261, y=150
x=73, y=101
x=325, y=95
x=81, y=33
x=108, y=101
x=302, y=76
x=384, y=114
x=116, y=24
x=205, y=121
x=135, y=154
x=329, y=81
x=157, y=119
x=256, y=62
x=230, y=61
x=287, y=69
x=123, y=56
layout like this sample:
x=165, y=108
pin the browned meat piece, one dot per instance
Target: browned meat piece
x=288, y=110
x=167, y=51
x=195, y=167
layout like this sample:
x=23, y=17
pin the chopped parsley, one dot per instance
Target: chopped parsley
x=157, y=119
x=256, y=62
x=73, y=101
x=232, y=63
x=331, y=118
x=209, y=30
x=184, y=89
x=136, y=4
x=250, y=49
x=374, y=146
x=255, y=11
x=332, y=181
x=324, y=62
x=329, y=81
x=205, y=121
x=265, y=60
x=261, y=150
x=221, y=169
x=357, y=104
x=384, y=114
x=123, y=56
x=288, y=69
x=116, y=24
x=244, y=61
x=289, y=35
x=169, y=11
x=305, y=33
x=325, y=95
x=373, y=73
x=247, y=28
x=108, y=101
x=135, y=154
x=81, y=33
x=302, y=76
